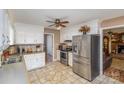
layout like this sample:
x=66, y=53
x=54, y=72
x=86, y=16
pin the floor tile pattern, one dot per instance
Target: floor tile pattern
x=57, y=73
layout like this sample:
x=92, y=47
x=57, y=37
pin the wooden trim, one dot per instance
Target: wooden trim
x=101, y=44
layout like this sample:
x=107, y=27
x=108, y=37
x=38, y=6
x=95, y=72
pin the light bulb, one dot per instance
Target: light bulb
x=58, y=28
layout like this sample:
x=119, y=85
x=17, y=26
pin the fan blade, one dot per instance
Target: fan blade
x=50, y=21
x=51, y=25
x=62, y=25
x=64, y=22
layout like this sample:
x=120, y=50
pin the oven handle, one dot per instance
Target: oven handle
x=64, y=52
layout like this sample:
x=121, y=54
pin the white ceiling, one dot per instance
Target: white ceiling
x=74, y=16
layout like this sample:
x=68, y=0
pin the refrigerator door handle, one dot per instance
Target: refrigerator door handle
x=84, y=63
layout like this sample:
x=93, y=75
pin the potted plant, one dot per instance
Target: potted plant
x=84, y=29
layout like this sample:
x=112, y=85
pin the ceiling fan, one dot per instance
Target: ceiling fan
x=58, y=23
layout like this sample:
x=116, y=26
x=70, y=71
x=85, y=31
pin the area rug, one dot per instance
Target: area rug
x=115, y=73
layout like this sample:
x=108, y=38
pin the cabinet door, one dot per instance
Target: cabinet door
x=1, y=29
x=30, y=61
x=42, y=38
x=58, y=55
x=11, y=34
x=6, y=30
x=27, y=62
x=40, y=59
x=31, y=39
x=28, y=39
x=39, y=39
x=70, y=61
x=34, y=61
x=38, y=62
x=19, y=37
x=43, y=59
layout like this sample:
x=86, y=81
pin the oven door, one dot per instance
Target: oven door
x=64, y=57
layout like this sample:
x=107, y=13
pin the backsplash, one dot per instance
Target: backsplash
x=29, y=48
x=15, y=52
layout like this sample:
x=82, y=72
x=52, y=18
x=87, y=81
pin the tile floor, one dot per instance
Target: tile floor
x=57, y=73
x=117, y=63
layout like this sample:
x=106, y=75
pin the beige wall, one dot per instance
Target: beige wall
x=113, y=22
x=56, y=39
x=108, y=23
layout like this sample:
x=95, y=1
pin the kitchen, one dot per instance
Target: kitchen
x=21, y=45
x=27, y=47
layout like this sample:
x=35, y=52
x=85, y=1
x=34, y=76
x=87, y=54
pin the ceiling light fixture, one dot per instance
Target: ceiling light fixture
x=59, y=27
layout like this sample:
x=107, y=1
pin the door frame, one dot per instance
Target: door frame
x=53, y=58
x=101, y=44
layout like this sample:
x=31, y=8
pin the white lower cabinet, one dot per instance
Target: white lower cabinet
x=33, y=61
x=70, y=59
x=58, y=55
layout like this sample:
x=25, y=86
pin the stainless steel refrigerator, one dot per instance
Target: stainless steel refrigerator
x=86, y=53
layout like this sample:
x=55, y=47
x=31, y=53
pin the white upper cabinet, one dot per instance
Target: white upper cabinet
x=11, y=33
x=69, y=32
x=29, y=34
x=6, y=30
x=1, y=29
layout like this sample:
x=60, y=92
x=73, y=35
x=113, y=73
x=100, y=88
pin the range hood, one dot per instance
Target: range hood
x=68, y=41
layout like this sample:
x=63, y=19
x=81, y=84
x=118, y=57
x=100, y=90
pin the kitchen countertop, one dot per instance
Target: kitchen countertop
x=33, y=53
x=27, y=53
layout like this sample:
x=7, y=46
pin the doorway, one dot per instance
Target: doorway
x=113, y=53
x=48, y=47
